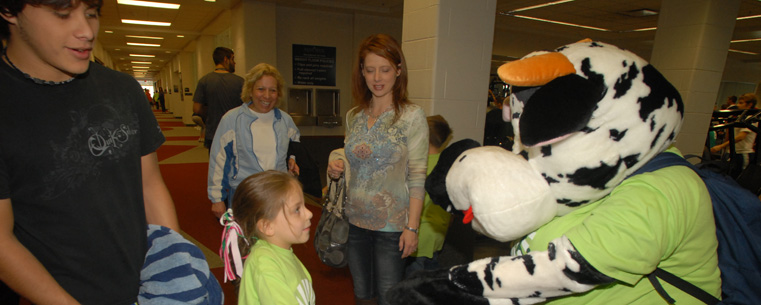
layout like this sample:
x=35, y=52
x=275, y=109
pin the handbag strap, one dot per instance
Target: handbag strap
x=336, y=196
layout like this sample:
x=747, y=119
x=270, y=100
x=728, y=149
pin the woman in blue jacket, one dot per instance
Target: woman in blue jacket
x=251, y=138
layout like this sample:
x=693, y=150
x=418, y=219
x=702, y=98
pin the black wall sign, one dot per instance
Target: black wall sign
x=314, y=65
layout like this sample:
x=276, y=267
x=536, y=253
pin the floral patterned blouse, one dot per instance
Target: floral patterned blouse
x=387, y=166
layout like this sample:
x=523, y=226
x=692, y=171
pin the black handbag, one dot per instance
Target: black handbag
x=332, y=232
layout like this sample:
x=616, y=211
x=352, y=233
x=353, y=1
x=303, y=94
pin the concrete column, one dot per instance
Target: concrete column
x=690, y=49
x=204, y=49
x=448, y=46
x=253, y=35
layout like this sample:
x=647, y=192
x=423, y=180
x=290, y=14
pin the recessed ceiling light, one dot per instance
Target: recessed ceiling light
x=143, y=37
x=210, y=0
x=180, y=36
x=143, y=44
x=109, y=32
x=149, y=4
x=144, y=22
x=142, y=55
x=141, y=62
x=139, y=67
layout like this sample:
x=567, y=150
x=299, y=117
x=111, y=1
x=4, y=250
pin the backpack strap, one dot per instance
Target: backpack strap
x=683, y=285
x=662, y=160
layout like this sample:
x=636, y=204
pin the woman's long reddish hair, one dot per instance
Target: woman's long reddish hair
x=387, y=47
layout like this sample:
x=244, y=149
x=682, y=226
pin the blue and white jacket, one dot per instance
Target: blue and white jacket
x=232, y=157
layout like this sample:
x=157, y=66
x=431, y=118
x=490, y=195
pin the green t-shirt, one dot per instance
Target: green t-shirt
x=658, y=219
x=273, y=275
x=434, y=222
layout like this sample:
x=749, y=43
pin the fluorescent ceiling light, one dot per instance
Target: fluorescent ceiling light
x=143, y=37
x=180, y=36
x=109, y=32
x=748, y=17
x=141, y=62
x=143, y=22
x=746, y=40
x=142, y=55
x=143, y=44
x=562, y=23
x=540, y=6
x=172, y=6
x=644, y=29
x=139, y=67
x=210, y=0
x=743, y=52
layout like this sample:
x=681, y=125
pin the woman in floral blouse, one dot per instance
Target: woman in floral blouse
x=384, y=156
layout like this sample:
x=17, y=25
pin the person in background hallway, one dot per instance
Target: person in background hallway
x=219, y=91
x=79, y=176
x=269, y=208
x=251, y=138
x=731, y=103
x=160, y=101
x=384, y=155
x=148, y=96
x=745, y=139
x=435, y=221
x=497, y=132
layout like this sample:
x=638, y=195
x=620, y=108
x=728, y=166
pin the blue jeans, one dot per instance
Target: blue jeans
x=375, y=262
x=421, y=263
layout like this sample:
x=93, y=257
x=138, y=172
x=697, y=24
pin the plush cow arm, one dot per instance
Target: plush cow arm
x=559, y=271
x=526, y=279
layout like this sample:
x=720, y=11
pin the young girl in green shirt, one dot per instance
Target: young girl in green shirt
x=269, y=217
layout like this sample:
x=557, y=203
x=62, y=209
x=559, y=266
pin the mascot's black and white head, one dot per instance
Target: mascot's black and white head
x=588, y=115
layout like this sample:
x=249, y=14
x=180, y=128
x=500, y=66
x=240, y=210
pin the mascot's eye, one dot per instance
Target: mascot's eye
x=523, y=93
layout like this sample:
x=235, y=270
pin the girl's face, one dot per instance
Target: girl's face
x=380, y=75
x=264, y=94
x=292, y=224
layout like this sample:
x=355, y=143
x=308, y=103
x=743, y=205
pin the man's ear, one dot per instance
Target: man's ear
x=265, y=227
x=9, y=18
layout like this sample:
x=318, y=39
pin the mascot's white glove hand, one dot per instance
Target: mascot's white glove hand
x=530, y=278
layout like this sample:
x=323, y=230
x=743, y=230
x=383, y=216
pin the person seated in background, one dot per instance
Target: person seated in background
x=745, y=139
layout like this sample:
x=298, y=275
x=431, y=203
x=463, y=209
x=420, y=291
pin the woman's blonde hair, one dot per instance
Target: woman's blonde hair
x=255, y=74
x=261, y=196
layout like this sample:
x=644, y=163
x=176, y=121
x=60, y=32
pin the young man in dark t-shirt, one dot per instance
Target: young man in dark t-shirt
x=79, y=176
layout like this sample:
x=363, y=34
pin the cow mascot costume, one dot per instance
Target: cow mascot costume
x=586, y=230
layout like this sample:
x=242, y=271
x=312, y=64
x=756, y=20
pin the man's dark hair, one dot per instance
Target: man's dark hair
x=14, y=7
x=220, y=53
